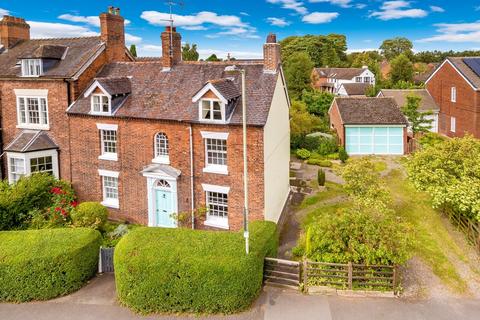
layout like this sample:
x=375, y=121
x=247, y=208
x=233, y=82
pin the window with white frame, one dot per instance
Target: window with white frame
x=161, y=148
x=453, y=94
x=212, y=110
x=16, y=169
x=358, y=79
x=109, y=188
x=32, y=67
x=216, y=205
x=25, y=164
x=32, y=111
x=453, y=124
x=108, y=141
x=216, y=152
x=367, y=79
x=100, y=103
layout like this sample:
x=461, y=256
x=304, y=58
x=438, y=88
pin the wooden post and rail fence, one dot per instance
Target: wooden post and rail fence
x=341, y=276
x=469, y=227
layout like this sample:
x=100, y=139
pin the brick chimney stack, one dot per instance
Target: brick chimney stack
x=271, y=54
x=113, y=34
x=13, y=30
x=171, y=47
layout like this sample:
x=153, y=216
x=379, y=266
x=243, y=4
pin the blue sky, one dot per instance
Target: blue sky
x=240, y=27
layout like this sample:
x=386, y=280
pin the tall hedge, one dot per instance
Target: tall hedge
x=182, y=270
x=44, y=264
x=17, y=200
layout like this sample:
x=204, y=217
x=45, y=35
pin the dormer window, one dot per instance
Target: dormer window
x=100, y=104
x=212, y=110
x=32, y=67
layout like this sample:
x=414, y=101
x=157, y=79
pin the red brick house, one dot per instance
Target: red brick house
x=455, y=87
x=367, y=126
x=154, y=137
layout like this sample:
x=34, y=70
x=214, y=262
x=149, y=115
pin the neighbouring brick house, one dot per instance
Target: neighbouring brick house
x=153, y=137
x=367, y=126
x=455, y=87
x=332, y=79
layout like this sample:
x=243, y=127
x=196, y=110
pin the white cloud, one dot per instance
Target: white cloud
x=278, y=22
x=91, y=20
x=437, y=9
x=149, y=50
x=58, y=30
x=221, y=53
x=131, y=39
x=320, y=17
x=244, y=14
x=455, y=32
x=398, y=9
x=4, y=12
x=360, y=5
x=362, y=50
x=195, y=28
x=295, y=5
x=341, y=3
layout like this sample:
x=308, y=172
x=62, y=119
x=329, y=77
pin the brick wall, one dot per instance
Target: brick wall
x=467, y=108
x=336, y=121
x=136, y=150
x=86, y=77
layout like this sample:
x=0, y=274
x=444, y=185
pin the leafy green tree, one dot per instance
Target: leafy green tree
x=418, y=120
x=330, y=57
x=213, y=58
x=450, y=172
x=402, y=69
x=133, y=50
x=298, y=70
x=392, y=48
x=318, y=102
x=189, y=53
x=301, y=121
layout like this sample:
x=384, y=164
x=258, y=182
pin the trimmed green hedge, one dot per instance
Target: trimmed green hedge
x=182, y=270
x=44, y=264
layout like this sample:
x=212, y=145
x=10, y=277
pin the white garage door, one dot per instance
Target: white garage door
x=374, y=140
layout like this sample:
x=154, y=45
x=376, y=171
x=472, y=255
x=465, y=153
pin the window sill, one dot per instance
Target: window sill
x=111, y=204
x=109, y=157
x=161, y=160
x=105, y=114
x=217, y=223
x=216, y=169
x=33, y=126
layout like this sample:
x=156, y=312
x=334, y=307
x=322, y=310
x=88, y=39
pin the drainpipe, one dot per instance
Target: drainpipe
x=191, y=176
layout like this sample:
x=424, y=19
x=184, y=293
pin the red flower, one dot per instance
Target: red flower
x=74, y=203
x=58, y=209
x=64, y=213
x=56, y=190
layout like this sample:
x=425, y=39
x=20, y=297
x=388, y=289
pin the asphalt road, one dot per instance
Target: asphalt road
x=97, y=301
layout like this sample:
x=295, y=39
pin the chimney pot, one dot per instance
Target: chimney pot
x=272, y=38
x=13, y=30
x=171, y=47
x=113, y=34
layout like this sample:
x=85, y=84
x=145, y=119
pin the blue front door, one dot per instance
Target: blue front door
x=164, y=209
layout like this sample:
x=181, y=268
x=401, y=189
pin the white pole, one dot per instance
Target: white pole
x=245, y=166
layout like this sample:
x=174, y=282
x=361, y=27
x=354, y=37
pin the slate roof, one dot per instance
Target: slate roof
x=373, y=111
x=116, y=86
x=28, y=141
x=161, y=95
x=356, y=89
x=47, y=51
x=339, y=73
x=464, y=69
x=400, y=96
x=227, y=88
x=79, y=51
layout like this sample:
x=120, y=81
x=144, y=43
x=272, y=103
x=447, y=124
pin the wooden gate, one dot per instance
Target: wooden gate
x=283, y=273
x=105, y=261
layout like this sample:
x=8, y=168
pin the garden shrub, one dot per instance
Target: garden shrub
x=44, y=264
x=333, y=156
x=183, y=270
x=321, y=177
x=303, y=154
x=327, y=146
x=90, y=215
x=320, y=162
x=18, y=200
x=342, y=154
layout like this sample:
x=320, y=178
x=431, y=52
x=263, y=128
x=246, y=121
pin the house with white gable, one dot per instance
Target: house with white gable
x=332, y=79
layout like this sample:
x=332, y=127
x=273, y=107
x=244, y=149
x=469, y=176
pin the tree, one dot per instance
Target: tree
x=189, y=53
x=301, y=121
x=392, y=48
x=318, y=102
x=449, y=172
x=213, y=58
x=330, y=57
x=133, y=50
x=298, y=70
x=418, y=120
x=402, y=69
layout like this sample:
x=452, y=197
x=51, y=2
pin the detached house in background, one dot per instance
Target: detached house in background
x=152, y=137
x=455, y=87
x=366, y=126
x=332, y=80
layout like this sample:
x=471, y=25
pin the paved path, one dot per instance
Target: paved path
x=97, y=301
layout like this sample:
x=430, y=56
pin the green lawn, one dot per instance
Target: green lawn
x=432, y=239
